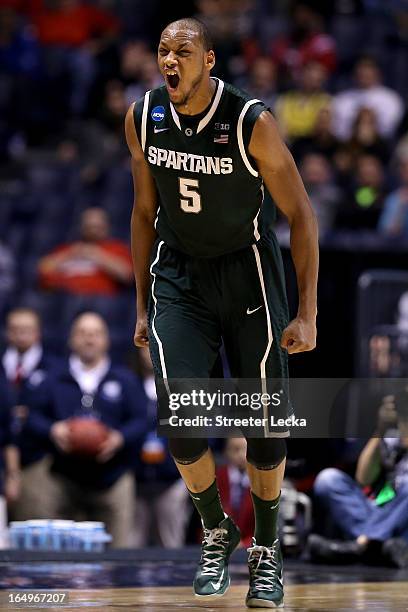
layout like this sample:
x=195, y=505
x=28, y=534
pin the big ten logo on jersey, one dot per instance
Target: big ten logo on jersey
x=221, y=138
x=222, y=127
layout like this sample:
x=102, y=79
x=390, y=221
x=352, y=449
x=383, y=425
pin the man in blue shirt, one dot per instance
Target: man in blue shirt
x=99, y=488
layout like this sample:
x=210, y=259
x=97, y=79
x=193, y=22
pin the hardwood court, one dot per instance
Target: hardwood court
x=160, y=580
x=384, y=597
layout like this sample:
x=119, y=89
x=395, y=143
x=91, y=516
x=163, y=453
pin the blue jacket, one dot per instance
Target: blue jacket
x=5, y=424
x=119, y=402
x=30, y=450
x=47, y=363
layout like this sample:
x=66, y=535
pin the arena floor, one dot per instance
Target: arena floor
x=156, y=580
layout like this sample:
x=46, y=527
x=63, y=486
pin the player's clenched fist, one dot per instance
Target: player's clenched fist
x=141, y=338
x=299, y=336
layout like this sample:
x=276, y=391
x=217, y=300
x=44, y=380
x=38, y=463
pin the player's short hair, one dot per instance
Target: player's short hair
x=190, y=23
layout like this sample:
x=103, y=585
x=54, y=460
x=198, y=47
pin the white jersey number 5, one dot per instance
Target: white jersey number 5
x=190, y=201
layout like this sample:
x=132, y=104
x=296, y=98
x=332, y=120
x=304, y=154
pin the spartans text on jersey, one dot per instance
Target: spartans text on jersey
x=190, y=162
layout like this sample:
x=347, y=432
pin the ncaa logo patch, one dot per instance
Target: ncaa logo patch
x=157, y=113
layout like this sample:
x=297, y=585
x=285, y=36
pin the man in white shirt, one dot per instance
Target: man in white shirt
x=369, y=93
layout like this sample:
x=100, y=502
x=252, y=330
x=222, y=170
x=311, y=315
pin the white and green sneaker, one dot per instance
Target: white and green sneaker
x=265, y=576
x=212, y=576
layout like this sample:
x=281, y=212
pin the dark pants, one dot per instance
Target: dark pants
x=198, y=304
x=354, y=514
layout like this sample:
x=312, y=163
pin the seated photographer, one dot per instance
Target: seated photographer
x=92, y=416
x=371, y=512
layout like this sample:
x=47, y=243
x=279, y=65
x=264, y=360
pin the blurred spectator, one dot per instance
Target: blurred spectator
x=372, y=511
x=369, y=93
x=402, y=314
x=394, y=218
x=307, y=42
x=324, y=194
x=380, y=356
x=95, y=488
x=402, y=340
x=321, y=140
x=150, y=76
x=132, y=56
x=230, y=23
x=95, y=264
x=114, y=107
x=7, y=276
x=24, y=354
x=364, y=199
x=20, y=73
x=19, y=49
x=297, y=110
x=26, y=364
x=10, y=480
x=162, y=502
x=401, y=149
x=365, y=140
x=261, y=81
x=142, y=76
x=73, y=34
x=234, y=488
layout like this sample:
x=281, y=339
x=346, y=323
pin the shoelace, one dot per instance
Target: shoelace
x=213, y=550
x=263, y=566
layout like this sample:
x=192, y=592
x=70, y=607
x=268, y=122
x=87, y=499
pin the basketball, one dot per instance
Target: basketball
x=87, y=436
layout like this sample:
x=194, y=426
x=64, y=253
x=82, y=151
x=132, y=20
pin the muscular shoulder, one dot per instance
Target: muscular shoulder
x=266, y=138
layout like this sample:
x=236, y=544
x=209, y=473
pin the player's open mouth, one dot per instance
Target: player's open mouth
x=172, y=80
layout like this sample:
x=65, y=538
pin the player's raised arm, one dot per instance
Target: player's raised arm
x=143, y=233
x=279, y=172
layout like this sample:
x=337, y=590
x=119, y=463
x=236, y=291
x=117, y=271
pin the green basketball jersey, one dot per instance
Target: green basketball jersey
x=210, y=191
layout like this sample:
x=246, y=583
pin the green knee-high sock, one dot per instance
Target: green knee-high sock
x=208, y=504
x=266, y=519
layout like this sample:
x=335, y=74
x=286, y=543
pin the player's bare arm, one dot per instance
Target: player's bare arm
x=282, y=179
x=143, y=234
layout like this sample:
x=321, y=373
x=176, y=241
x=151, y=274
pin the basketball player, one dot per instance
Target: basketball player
x=204, y=250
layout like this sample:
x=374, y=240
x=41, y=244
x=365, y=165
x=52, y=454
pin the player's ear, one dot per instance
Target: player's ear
x=210, y=60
